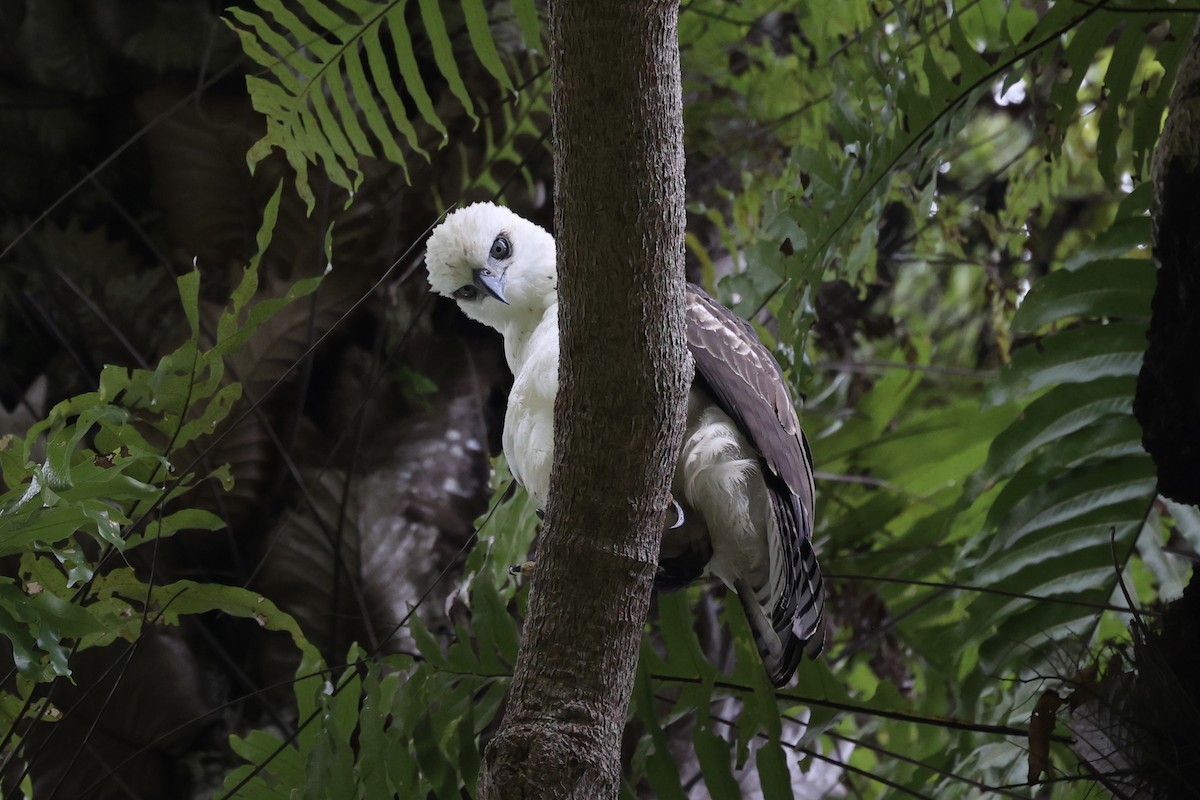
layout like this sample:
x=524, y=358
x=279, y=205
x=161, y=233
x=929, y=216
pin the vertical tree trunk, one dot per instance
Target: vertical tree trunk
x=1168, y=390
x=624, y=375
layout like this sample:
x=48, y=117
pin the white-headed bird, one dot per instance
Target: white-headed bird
x=743, y=481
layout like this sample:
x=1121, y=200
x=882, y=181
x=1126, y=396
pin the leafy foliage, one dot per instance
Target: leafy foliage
x=937, y=216
x=1051, y=469
x=97, y=479
x=333, y=78
x=417, y=721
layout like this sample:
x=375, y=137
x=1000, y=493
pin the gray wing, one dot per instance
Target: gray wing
x=749, y=385
x=746, y=381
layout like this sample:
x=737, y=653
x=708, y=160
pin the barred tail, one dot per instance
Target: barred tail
x=787, y=614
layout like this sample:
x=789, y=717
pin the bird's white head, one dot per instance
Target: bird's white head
x=498, y=267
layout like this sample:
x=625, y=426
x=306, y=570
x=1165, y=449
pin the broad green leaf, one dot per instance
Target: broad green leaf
x=283, y=773
x=374, y=754
x=1093, y=529
x=435, y=766
x=495, y=627
x=773, y=774
x=1057, y=413
x=189, y=296
x=1073, y=494
x=715, y=763
x=429, y=648
x=196, y=519
x=1110, y=288
x=660, y=766
x=1073, y=356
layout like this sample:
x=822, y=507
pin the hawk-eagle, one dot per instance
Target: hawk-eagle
x=743, y=479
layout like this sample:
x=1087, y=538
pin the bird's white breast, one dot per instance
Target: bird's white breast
x=529, y=423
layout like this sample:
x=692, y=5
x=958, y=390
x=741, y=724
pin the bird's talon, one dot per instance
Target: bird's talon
x=679, y=515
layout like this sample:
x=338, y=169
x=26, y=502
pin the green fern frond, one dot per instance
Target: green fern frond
x=1080, y=488
x=344, y=81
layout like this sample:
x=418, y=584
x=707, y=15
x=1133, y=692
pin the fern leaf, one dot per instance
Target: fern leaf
x=436, y=767
x=716, y=760
x=1106, y=289
x=406, y=60
x=481, y=40
x=660, y=767
x=327, y=104
x=1061, y=411
x=527, y=18
x=1125, y=56
x=1074, y=356
x=1081, y=488
x=443, y=53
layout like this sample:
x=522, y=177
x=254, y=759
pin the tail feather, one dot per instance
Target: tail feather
x=787, y=615
x=781, y=651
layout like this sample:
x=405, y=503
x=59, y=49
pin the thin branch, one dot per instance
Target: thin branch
x=1039, y=598
x=950, y=723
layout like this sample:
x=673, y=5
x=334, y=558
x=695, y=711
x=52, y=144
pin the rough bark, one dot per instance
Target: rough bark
x=623, y=380
x=1167, y=403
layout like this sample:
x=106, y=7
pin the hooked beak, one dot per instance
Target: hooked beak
x=492, y=284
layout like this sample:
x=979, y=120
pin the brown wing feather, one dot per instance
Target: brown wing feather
x=749, y=385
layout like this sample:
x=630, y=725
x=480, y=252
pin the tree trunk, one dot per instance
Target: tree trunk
x=623, y=379
x=1168, y=390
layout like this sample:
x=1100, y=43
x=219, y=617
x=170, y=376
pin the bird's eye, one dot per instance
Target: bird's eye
x=468, y=292
x=501, y=249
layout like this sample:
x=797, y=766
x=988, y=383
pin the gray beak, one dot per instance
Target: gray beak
x=492, y=284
